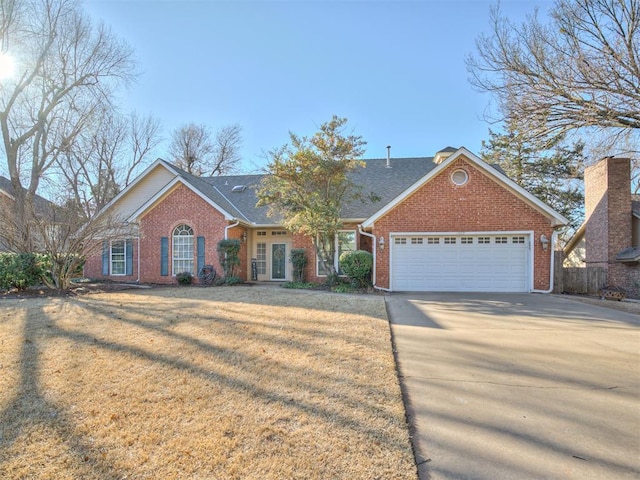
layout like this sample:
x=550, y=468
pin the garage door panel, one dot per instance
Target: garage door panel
x=483, y=263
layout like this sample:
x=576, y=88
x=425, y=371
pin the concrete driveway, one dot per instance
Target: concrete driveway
x=519, y=386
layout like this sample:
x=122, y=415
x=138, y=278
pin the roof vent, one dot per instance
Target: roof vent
x=238, y=188
x=388, y=156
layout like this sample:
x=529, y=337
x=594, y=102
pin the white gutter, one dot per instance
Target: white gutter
x=228, y=227
x=374, y=248
x=552, y=244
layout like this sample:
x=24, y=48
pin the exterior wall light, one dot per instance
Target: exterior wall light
x=544, y=241
x=381, y=243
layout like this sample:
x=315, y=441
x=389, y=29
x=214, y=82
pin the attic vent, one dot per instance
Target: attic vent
x=238, y=188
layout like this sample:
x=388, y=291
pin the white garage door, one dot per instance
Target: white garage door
x=474, y=263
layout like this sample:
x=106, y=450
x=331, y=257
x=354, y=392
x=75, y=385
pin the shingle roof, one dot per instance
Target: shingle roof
x=629, y=255
x=375, y=178
x=42, y=205
x=386, y=183
x=245, y=200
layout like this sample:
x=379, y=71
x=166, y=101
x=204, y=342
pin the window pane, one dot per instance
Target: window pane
x=118, y=258
x=326, y=245
x=346, y=243
x=261, y=259
x=183, y=249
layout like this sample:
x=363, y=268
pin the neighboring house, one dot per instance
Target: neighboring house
x=444, y=223
x=609, y=238
x=43, y=207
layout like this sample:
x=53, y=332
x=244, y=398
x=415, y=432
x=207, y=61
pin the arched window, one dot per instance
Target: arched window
x=183, y=249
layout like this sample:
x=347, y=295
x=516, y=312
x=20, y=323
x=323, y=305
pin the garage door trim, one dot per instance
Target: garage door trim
x=528, y=233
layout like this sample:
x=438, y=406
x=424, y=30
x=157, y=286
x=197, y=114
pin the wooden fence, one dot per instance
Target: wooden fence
x=585, y=280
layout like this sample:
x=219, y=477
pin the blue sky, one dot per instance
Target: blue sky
x=395, y=69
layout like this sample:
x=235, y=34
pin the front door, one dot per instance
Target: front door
x=278, y=261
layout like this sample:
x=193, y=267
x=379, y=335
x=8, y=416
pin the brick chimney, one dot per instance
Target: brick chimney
x=607, y=186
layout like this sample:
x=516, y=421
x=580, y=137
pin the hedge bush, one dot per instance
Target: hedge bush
x=299, y=262
x=357, y=265
x=228, y=255
x=184, y=278
x=21, y=270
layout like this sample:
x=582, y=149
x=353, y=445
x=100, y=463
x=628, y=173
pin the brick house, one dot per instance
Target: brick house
x=609, y=238
x=445, y=223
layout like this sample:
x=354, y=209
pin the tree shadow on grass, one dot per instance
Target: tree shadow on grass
x=30, y=413
x=32, y=406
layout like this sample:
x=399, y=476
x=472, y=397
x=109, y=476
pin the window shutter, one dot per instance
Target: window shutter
x=105, y=257
x=129, y=260
x=200, y=254
x=164, y=256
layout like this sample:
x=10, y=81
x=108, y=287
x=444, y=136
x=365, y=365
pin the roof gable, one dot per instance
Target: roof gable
x=556, y=218
x=151, y=186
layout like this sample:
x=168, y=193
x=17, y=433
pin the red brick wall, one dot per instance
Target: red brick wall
x=479, y=205
x=93, y=264
x=302, y=241
x=609, y=221
x=181, y=206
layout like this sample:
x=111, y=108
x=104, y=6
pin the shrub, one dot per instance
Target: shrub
x=299, y=262
x=20, y=270
x=299, y=285
x=233, y=281
x=228, y=254
x=184, y=278
x=357, y=266
x=342, y=288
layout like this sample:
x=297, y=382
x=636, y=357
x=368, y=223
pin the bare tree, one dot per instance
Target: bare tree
x=105, y=158
x=66, y=69
x=67, y=241
x=578, y=72
x=226, y=150
x=195, y=150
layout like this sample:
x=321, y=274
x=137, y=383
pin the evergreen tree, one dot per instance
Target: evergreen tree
x=552, y=172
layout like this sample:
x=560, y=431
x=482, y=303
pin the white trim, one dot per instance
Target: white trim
x=557, y=219
x=4, y=192
x=529, y=233
x=149, y=203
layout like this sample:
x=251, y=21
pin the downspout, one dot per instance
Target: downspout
x=375, y=249
x=228, y=227
x=554, y=235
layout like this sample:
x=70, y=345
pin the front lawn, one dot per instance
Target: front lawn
x=200, y=383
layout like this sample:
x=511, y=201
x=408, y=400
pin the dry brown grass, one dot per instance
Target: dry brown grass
x=200, y=383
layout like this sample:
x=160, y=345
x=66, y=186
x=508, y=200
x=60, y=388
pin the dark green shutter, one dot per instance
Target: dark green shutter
x=105, y=257
x=129, y=259
x=200, y=254
x=164, y=256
